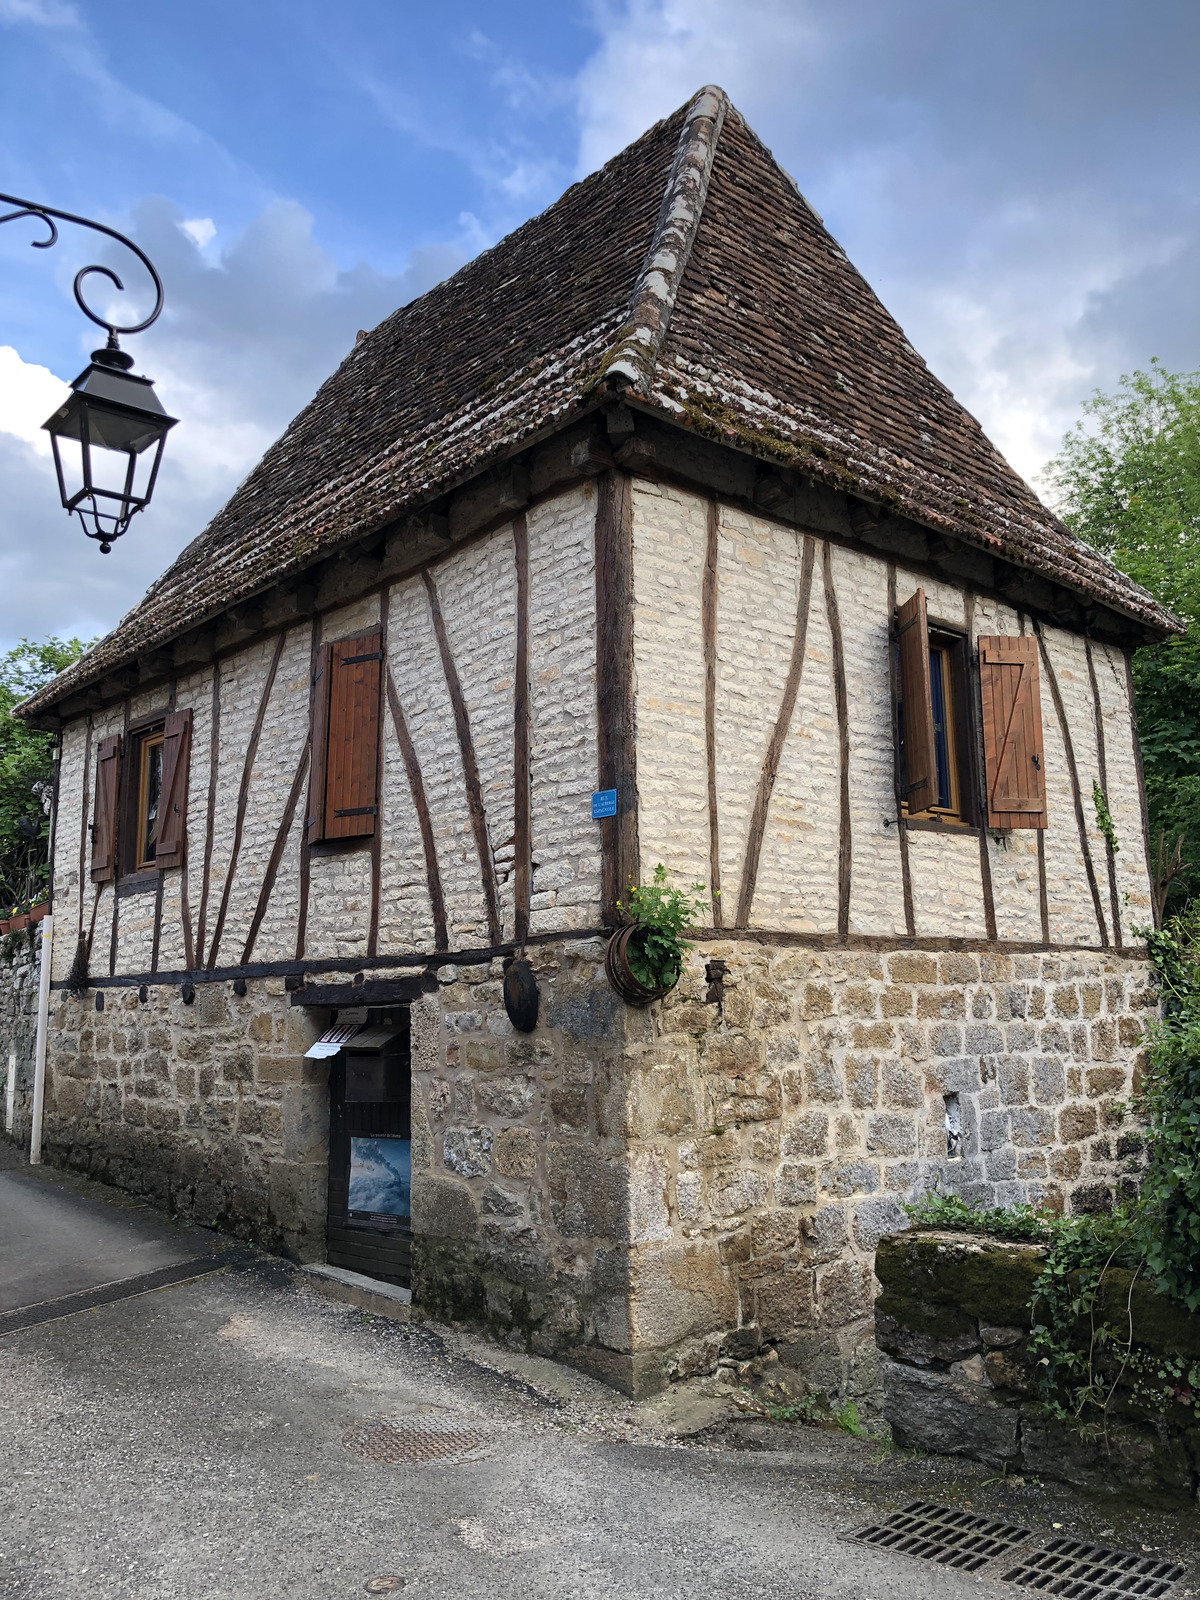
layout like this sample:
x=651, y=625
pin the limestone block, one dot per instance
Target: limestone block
x=731, y=1194
x=874, y=1218
x=795, y=1184
x=843, y=1293
x=588, y=1190
x=931, y=1412
x=679, y=1291
x=825, y=1234
x=807, y=1135
x=468, y=1151
x=783, y=1302
x=442, y=1208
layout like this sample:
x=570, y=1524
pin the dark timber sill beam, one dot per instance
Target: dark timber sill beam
x=473, y=958
x=549, y=466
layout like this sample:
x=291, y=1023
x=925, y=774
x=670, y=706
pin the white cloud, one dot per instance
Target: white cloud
x=28, y=395
x=202, y=229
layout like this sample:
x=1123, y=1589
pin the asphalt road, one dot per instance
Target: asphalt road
x=203, y=1439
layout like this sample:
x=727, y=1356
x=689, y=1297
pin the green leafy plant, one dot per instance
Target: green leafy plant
x=27, y=770
x=847, y=1419
x=1104, y=819
x=655, y=952
x=810, y=1408
x=939, y=1210
x=1127, y=480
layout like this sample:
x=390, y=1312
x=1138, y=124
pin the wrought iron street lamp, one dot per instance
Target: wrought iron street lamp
x=109, y=408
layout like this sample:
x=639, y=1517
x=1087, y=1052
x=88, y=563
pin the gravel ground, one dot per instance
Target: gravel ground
x=205, y=1439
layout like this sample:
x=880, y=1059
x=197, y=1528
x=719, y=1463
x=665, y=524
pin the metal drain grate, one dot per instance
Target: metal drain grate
x=943, y=1534
x=415, y=1440
x=1091, y=1572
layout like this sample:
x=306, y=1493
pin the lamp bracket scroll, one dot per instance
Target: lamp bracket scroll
x=47, y=215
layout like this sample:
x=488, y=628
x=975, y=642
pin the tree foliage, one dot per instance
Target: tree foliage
x=1127, y=480
x=27, y=767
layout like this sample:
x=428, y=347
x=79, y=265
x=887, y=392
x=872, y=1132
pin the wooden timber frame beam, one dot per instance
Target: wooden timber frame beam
x=295, y=973
x=617, y=753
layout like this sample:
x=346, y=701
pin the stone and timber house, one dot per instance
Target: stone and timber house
x=652, y=497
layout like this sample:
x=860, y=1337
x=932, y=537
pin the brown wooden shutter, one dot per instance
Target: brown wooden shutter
x=1014, y=763
x=172, y=806
x=920, y=755
x=104, y=819
x=343, y=795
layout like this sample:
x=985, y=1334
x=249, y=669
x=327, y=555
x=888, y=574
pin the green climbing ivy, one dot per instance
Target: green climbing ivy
x=1104, y=819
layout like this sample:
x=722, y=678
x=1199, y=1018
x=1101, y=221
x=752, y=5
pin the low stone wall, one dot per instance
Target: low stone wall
x=20, y=964
x=952, y=1327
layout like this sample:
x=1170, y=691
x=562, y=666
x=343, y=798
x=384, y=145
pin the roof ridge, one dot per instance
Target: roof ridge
x=634, y=352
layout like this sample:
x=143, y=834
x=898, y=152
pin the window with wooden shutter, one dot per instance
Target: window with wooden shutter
x=343, y=791
x=172, y=805
x=919, y=786
x=1014, y=763
x=104, y=818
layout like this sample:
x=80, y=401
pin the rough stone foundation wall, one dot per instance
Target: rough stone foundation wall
x=959, y=1378
x=777, y=1122
x=20, y=964
x=523, y=1185
x=646, y=1193
x=209, y=1110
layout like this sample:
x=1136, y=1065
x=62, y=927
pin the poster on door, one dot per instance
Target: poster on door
x=381, y=1176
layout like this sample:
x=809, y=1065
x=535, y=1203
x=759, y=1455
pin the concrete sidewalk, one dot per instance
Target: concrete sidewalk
x=215, y=1439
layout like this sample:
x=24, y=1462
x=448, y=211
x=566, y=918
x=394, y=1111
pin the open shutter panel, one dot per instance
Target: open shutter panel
x=920, y=756
x=1014, y=764
x=351, y=801
x=176, y=760
x=314, y=819
x=104, y=819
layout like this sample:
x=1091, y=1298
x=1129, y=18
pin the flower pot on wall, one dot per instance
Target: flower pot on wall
x=36, y=913
x=618, y=972
x=17, y=923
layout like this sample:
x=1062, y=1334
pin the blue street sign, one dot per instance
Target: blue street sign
x=604, y=803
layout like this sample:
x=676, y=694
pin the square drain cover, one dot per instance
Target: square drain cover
x=1083, y=1571
x=945, y=1534
x=410, y=1441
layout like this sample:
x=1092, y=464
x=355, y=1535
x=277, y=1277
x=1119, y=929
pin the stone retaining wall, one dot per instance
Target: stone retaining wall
x=20, y=964
x=952, y=1326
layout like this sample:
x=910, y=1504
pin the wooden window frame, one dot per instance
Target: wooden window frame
x=954, y=648
x=960, y=730
x=153, y=740
x=131, y=869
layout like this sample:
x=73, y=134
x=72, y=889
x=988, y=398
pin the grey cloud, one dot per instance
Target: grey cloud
x=1017, y=181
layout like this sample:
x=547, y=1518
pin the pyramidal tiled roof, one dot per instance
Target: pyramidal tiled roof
x=691, y=269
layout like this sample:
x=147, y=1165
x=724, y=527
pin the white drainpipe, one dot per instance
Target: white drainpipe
x=39, y=1059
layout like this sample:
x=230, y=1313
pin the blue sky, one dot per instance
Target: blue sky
x=1018, y=179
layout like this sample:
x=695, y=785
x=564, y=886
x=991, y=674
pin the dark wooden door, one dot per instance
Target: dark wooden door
x=369, y=1227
